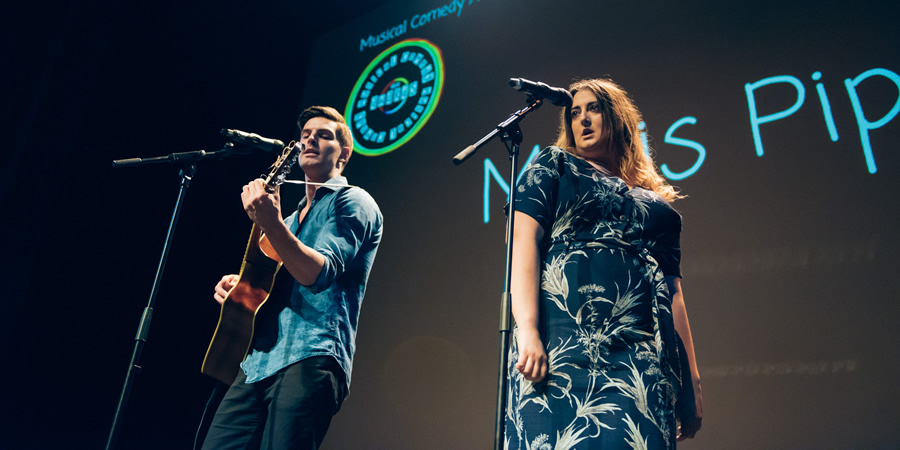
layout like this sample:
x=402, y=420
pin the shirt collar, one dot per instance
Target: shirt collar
x=328, y=187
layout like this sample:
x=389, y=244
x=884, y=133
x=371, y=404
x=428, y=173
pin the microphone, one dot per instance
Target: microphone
x=253, y=140
x=538, y=90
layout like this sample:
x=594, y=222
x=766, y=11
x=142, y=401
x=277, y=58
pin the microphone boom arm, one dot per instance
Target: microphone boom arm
x=502, y=127
x=184, y=158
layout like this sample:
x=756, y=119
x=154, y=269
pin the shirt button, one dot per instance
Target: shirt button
x=622, y=217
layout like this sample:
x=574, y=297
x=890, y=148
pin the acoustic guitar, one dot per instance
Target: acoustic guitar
x=234, y=332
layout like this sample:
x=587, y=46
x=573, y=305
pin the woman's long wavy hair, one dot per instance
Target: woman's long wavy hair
x=620, y=124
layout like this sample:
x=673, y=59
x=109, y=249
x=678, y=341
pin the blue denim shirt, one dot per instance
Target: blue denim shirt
x=344, y=224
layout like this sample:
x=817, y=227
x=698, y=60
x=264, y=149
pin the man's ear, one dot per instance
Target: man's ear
x=345, y=154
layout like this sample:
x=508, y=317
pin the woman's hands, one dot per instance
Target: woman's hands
x=690, y=417
x=532, y=362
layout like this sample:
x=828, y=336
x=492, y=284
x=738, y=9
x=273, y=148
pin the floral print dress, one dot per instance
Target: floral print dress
x=604, y=310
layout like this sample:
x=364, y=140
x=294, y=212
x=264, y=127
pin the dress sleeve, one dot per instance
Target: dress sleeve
x=668, y=248
x=537, y=188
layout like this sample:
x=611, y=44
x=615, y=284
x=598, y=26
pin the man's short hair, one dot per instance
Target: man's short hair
x=344, y=137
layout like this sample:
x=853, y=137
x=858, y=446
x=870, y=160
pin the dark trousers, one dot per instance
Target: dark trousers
x=289, y=410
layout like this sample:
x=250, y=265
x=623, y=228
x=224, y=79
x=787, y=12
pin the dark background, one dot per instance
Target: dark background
x=789, y=258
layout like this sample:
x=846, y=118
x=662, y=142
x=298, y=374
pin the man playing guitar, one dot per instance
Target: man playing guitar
x=297, y=371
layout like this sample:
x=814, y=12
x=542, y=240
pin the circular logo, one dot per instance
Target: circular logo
x=395, y=96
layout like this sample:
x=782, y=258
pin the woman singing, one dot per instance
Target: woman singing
x=602, y=355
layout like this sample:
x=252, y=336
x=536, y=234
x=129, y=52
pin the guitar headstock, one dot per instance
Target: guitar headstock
x=282, y=166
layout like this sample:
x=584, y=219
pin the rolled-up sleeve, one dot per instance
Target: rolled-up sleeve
x=353, y=221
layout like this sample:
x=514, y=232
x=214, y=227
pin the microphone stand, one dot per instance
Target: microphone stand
x=511, y=135
x=188, y=162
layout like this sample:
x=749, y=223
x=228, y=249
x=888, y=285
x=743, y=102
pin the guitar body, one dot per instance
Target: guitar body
x=234, y=332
